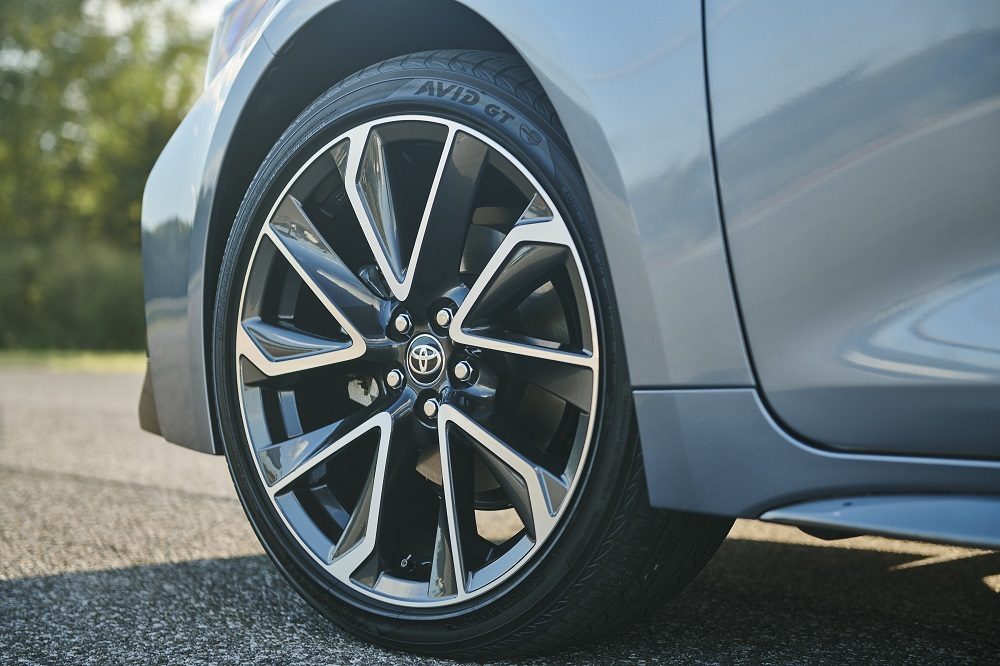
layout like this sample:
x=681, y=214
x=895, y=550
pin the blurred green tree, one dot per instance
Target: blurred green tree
x=90, y=91
x=89, y=94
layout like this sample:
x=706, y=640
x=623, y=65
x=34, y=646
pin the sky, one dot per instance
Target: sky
x=207, y=12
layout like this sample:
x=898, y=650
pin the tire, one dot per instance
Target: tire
x=606, y=557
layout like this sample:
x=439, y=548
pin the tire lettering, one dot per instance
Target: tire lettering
x=442, y=91
x=464, y=95
x=495, y=110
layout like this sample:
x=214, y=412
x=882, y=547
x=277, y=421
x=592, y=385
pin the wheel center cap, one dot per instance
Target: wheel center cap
x=425, y=359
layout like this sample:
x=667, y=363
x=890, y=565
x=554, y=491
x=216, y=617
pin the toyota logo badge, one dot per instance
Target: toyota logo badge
x=425, y=359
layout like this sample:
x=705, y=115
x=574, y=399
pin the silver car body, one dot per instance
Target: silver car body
x=800, y=206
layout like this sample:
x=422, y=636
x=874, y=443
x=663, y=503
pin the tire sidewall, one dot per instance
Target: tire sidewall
x=555, y=569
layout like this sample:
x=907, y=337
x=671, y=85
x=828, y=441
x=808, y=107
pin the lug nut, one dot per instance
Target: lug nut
x=443, y=317
x=463, y=370
x=394, y=379
x=430, y=407
x=402, y=323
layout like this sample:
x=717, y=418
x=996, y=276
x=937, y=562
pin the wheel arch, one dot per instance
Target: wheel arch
x=311, y=54
x=322, y=51
x=653, y=197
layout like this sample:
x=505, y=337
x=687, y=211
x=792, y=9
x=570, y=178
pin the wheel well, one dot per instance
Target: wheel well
x=342, y=39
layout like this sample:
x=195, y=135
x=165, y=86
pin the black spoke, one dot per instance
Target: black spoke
x=567, y=381
x=515, y=488
x=284, y=341
x=340, y=290
x=527, y=481
x=440, y=251
x=376, y=192
x=461, y=485
x=444, y=573
x=298, y=454
x=529, y=267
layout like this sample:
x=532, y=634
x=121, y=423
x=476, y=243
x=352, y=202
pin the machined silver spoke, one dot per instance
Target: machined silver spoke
x=276, y=350
x=358, y=541
x=369, y=192
x=437, y=248
x=538, y=227
x=458, y=503
x=349, y=155
x=437, y=253
x=535, y=492
x=340, y=291
x=375, y=190
x=285, y=461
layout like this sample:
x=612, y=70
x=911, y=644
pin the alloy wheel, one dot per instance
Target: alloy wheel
x=417, y=361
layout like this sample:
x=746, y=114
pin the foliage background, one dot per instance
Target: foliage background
x=90, y=91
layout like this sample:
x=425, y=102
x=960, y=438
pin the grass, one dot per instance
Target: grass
x=74, y=361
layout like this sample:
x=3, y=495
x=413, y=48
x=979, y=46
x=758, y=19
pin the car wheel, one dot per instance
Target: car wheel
x=419, y=372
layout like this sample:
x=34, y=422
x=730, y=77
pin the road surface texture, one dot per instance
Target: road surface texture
x=116, y=548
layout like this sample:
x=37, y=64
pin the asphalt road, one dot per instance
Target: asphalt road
x=117, y=548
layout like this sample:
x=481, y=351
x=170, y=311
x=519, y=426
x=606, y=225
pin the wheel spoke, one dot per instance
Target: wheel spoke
x=458, y=487
x=375, y=526
x=349, y=156
x=444, y=573
x=446, y=219
x=532, y=489
x=538, y=230
x=284, y=462
x=526, y=268
x=437, y=249
x=570, y=382
x=277, y=350
x=346, y=297
x=376, y=196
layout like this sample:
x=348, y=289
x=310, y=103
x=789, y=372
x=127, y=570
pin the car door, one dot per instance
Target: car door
x=858, y=160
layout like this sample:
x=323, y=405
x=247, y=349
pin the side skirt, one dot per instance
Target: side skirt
x=717, y=451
